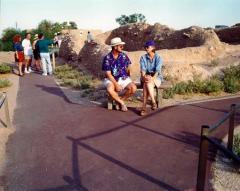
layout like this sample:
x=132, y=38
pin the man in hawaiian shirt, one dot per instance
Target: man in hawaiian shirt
x=116, y=66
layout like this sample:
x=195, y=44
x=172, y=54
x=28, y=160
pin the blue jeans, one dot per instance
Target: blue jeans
x=46, y=63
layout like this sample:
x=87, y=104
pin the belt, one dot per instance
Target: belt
x=124, y=77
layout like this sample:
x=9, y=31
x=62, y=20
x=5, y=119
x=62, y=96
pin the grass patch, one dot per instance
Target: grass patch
x=236, y=144
x=228, y=82
x=5, y=83
x=5, y=69
x=73, y=78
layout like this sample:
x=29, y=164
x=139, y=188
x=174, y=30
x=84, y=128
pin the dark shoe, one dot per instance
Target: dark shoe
x=154, y=106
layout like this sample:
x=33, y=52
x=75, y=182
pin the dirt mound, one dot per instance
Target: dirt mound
x=229, y=35
x=185, y=53
x=73, y=42
x=135, y=35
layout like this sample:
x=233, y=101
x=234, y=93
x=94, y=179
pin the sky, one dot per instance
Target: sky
x=101, y=14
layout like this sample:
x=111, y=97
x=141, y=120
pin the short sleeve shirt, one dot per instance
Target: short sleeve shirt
x=27, y=47
x=118, y=67
x=152, y=66
x=18, y=47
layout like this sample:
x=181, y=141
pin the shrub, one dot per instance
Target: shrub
x=4, y=83
x=85, y=84
x=180, y=88
x=212, y=85
x=231, y=84
x=73, y=78
x=232, y=71
x=4, y=69
x=214, y=63
x=236, y=144
x=168, y=93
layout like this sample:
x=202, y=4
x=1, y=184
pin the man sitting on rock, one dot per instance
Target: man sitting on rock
x=116, y=65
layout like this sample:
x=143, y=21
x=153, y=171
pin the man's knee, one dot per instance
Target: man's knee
x=132, y=88
x=110, y=89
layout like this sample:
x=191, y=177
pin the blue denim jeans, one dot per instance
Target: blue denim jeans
x=46, y=63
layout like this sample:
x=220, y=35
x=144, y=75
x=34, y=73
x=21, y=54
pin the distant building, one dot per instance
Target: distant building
x=221, y=26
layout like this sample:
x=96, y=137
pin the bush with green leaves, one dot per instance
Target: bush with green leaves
x=4, y=83
x=236, y=144
x=231, y=84
x=168, y=93
x=5, y=69
x=212, y=86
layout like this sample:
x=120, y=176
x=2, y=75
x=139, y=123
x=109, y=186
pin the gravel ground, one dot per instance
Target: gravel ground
x=226, y=176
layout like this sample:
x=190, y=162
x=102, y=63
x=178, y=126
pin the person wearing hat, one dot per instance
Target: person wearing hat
x=116, y=66
x=36, y=53
x=151, y=76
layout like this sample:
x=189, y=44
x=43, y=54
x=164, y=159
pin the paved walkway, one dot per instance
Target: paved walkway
x=63, y=146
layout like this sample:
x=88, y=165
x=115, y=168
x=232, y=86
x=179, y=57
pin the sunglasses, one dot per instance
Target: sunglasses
x=121, y=46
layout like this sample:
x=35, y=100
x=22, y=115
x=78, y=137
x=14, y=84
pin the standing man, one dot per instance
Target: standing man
x=116, y=66
x=42, y=46
x=90, y=37
x=28, y=52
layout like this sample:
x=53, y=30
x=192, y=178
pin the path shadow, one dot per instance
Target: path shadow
x=55, y=91
x=125, y=125
x=72, y=182
x=121, y=164
x=209, y=108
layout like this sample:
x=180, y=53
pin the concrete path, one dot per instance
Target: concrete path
x=62, y=146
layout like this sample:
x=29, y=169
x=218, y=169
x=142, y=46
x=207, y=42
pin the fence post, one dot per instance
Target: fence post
x=231, y=127
x=8, y=120
x=53, y=58
x=202, y=161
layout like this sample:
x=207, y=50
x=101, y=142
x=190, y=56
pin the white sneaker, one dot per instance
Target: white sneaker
x=43, y=74
x=30, y=70
x=26, y=71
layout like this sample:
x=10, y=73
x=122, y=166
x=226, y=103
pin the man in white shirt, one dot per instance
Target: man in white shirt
x=28, y=52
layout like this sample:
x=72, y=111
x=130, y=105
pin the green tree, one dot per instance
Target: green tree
x=73, y=25
x=7, y=38
x=133, y=18
x=45, y=27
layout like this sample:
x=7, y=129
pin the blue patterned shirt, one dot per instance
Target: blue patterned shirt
x=118, y=67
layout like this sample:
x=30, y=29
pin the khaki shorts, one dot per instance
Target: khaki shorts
x=122, y=82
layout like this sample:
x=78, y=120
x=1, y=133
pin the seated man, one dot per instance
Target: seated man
x=116, y=65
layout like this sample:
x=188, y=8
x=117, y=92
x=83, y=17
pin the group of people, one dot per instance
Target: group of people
x=116, y=65
x=117, y=68
x=29, y=54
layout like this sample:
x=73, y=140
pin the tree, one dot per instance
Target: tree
x=7, y=38
x=73, y=25
x=45, y=25
x=133, y=18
